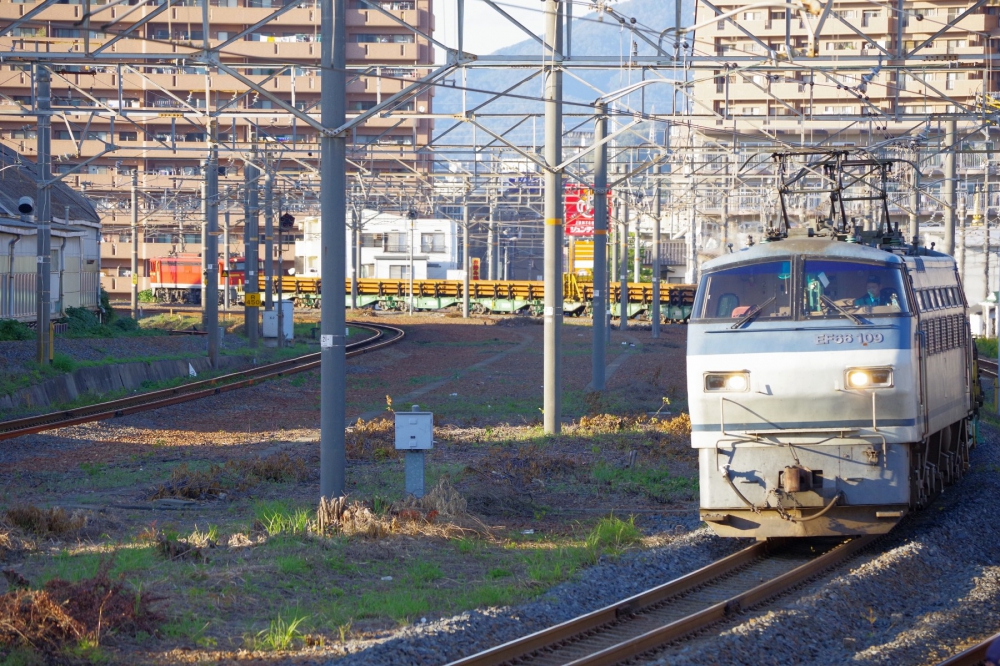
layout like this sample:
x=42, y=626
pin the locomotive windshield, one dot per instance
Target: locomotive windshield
x=832, y=288
x=764, y=288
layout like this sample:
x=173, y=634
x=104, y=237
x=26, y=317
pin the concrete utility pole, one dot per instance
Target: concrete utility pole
x=225, y=262
x=552, y=361
x=466, y=264
x=410, y=244
x=268, y=238
x=251, y=245
x=616, y=214
x=950, y=176
x=915, y=214
x=333, y=201
x=135, y=244
x=43, y=104
x=211, y=249
x=623, y=268
x=598, y=351
x=655, y=318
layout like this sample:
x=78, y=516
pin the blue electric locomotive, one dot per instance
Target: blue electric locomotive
x=830, y=383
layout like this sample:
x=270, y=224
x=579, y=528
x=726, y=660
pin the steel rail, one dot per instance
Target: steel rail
x=987, y=367
x=974, y=656
x=193, y=391
x=610, y=619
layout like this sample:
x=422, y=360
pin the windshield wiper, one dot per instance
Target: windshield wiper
x=857, y=320
x=754, y=311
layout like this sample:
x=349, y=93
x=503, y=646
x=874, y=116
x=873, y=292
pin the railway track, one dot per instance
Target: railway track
x=974, y=656
x=667, y=613
x=383, y=336
x=987, y=367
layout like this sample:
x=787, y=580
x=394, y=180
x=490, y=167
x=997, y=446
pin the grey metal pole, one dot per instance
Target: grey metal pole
x=635, y=248
x=491, y=271
x=623, y=268
x=358, y=240
x=135, y=244
x=466, y=267
x=333, y=200
x=211, y=251
x=225, y=262
x=655, y=318
x=915, y=215
x=553, y=313
x=355, y=257
x=616, y=214
x=268, y=238
x=960, y=242
x=598, y=351
x=204, y=241
x=950, y=176
x=251, y=246
x=411, y=265
x=44, y=212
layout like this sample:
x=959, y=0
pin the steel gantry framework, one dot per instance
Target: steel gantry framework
x=910, y=80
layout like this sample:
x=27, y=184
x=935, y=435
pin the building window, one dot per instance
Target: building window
x=367, y=270
x=868, y=16
x=399, y=272
x=372, y=240
x=397, y=242
x=369, y=38
x=432, y=242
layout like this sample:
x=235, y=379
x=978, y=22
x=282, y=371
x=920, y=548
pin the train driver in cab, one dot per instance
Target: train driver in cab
x=872, y=295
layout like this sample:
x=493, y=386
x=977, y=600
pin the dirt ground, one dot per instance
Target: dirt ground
x=206, y=513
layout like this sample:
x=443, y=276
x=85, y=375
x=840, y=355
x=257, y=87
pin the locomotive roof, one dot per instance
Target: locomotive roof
x=814, y=247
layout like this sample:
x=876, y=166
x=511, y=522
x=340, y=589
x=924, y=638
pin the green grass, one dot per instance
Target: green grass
x=278, y=518
x=78, y=566
x=656, y=483
x=614, y=535
x=987, y=347
x=292, y=565
x=280, y=634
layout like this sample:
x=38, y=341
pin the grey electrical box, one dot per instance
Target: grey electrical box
x=414, y=431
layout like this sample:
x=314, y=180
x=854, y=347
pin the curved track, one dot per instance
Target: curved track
x=383, y=336
x=664, y=614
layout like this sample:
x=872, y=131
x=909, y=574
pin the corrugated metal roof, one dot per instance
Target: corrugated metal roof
x=17, y=179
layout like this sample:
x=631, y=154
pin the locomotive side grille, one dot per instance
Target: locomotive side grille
x=944, y=333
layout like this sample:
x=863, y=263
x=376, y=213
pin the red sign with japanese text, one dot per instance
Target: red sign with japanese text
x=580, y=211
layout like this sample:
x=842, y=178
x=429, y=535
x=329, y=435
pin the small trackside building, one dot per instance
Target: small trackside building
x=75, y=279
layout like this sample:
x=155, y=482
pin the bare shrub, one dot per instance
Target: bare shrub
x=55, y=521
x=372, y=440
x=233, y=476
x=64, y=612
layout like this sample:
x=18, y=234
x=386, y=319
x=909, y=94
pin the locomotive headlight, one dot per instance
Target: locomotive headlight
x=869, y=377
x=727, y=381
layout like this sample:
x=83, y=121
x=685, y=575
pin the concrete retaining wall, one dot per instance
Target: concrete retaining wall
x=101, y=380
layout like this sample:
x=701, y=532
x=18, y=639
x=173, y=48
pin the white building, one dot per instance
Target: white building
x=385, y=247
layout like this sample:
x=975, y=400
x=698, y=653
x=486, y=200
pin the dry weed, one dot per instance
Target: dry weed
x=372, y=440
x=233, y=476
x=440, y=513
x=174, y=549
x=522, y=467
x=12, y=543
x=55, y=521
x=63, y=612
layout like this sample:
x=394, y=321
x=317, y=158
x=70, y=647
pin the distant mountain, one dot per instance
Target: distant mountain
x=591, y=36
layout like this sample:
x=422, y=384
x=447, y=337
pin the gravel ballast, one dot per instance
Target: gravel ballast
x=928, y=590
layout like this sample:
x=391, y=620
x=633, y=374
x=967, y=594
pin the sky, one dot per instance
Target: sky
x=485, y=30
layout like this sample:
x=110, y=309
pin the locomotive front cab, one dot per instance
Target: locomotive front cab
x=803, y=389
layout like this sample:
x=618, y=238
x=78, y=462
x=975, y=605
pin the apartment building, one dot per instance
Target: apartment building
x=776, y=88
x=153, y=112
